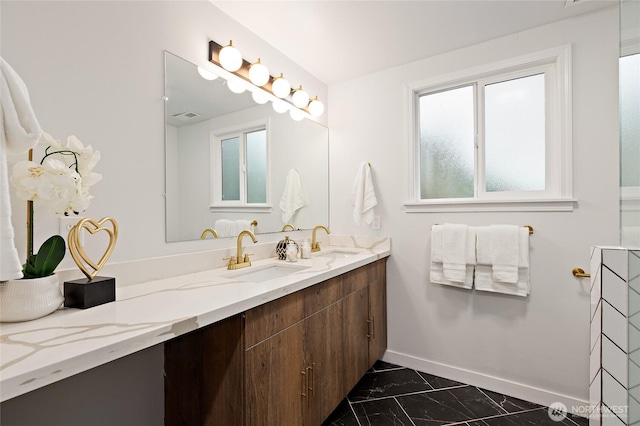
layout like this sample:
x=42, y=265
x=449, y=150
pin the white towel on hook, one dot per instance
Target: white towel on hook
x=225, y=228
x=363, y=195
x=19, y=132
x=292, y=196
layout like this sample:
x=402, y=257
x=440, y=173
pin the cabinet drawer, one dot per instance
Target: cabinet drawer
x=266, y=320
x=321, y=295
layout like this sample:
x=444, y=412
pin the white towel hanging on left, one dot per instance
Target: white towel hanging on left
x=363, y=195
x=292, y=197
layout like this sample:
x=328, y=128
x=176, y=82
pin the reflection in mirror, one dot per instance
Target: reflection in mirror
x=629, y=123
x=229, y=161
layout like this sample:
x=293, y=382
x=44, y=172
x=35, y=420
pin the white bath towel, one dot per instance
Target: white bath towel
x=505, y=252
x=454, y=252
x=436, y=274
x=19, y=132
x=225, y=228
x=292, y=197
x=484, y=277
x=363, y=195
x=241, y=225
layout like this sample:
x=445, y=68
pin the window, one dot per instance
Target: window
x=493, y=138
x=240, y=169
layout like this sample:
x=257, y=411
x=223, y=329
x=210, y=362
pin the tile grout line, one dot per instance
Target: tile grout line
x=407, y=394
x=354, y=412
x=491, y=399
x=403, y=410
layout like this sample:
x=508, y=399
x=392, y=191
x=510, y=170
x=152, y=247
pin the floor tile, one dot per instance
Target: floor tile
x=381, y=412
x=387, y=383
x=382, y=365
x=537, y=417
x=448, y=406
x=342, y=416
x=508, y=403
x=439, y=382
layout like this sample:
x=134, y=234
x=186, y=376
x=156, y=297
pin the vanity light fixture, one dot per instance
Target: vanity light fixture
x=259, y=97
x=263, y=87
x=296, y=114
x=281, y=87
x=316, y=108
x=300, y=98
x=206, y=74
x=259, y=74
x=230, y=57
x=280, y=106
x=236, y=86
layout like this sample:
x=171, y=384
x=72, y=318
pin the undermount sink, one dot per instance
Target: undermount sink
x=264, y=273
x=336, y=254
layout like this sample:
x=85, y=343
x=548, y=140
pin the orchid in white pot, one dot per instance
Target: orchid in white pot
x=59, y=183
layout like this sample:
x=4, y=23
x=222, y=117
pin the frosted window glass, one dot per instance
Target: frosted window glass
x=515, y=135
x=447, y=144
x=257, y=166
x=630, y=120
x=231, y=169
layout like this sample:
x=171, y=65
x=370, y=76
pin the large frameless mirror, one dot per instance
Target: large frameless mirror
x=231, y=163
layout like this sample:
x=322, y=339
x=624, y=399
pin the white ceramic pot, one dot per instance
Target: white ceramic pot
x=28, y=299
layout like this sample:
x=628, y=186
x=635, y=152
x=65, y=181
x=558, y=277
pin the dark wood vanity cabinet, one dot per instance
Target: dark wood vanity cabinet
x=290, y=361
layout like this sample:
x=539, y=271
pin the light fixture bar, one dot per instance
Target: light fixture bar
x=243, y=73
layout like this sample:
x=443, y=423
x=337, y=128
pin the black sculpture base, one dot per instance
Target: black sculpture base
x=83, y=294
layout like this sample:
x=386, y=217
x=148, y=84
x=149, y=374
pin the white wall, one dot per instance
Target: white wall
x=536, y=348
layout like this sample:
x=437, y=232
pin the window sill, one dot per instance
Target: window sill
x=241, y=208
x=551, y=205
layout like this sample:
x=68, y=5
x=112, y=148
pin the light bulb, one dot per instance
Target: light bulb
x=259, y=74
x=316, y=108
x=259, y=97
x=236, y=86
x=230, y=58
x=281, y=87
x=300, y=98
x=206, y=74
x=296, y=114
x=280, y=106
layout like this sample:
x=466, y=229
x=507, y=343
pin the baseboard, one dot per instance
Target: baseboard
x=496, y=384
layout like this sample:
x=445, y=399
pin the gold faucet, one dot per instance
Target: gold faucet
x=315, y=246
x=288, y=225
x=204, y=233
x=239, y=261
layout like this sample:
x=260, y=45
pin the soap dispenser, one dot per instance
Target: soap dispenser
x=292, y=251
x=305, y=249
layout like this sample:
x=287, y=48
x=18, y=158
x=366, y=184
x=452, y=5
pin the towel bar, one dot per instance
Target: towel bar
x=526, y=226
x=579, y=273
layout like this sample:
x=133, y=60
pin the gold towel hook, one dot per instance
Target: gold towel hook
x=579, y=273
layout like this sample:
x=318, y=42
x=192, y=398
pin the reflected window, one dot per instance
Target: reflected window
x=240, y=167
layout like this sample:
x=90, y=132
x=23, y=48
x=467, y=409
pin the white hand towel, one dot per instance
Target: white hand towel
x=454, y=252
x=363, y=195
x=241, y=225
x=19, y=132
x=292, y=196
x=505, y=252
x=225, y=228
x=436, y=274
x=484, y=278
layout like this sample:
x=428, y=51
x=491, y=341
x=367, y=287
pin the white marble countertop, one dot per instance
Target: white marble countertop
x=36, y=353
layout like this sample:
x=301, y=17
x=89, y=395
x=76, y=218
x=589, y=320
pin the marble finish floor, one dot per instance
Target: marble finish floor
x=393, y=395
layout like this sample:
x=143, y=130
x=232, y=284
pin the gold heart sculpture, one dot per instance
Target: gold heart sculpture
x=77, y=251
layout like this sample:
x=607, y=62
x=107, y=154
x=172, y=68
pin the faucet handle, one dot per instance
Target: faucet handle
x=232, y=260
x=246, y=256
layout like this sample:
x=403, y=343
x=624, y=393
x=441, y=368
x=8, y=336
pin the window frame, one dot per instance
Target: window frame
x=238, y=206
x=558, y=195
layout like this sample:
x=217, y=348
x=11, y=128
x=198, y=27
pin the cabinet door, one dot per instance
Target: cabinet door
x=325, y=362
x=356, y=341
x=378, y=314
x=275, y=388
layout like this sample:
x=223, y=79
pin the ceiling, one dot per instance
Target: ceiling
x=341, y=40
